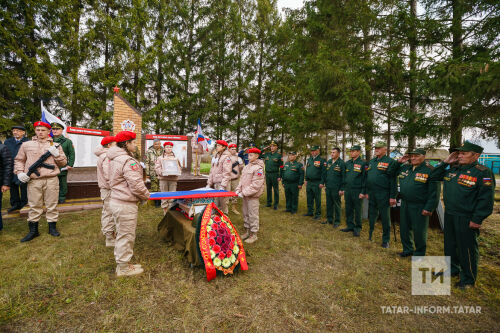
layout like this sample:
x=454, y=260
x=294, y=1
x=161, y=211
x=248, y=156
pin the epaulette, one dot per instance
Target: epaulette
x=429, y=165
x=481, y=167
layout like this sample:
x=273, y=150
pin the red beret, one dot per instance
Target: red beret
x=124, y=136
x=107, y=139
x=254, y=150
x=232, y=145
x=41, y=123
x=221, y=142
x=168, y=144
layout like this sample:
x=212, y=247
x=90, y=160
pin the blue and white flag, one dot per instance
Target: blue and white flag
x=201, y=138
x=49, y=118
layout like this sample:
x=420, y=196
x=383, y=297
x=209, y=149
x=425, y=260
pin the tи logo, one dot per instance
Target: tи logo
x=430, y=275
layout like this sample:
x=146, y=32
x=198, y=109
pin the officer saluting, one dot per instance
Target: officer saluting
x=273, y=163
x=43, y=189
x=419, y=197
x=468, y=195
x=353, y=184
x=381, y=190
x=315, y=168
x=334, y=181
x=292, y=176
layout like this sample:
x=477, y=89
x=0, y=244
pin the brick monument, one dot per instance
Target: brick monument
x=126, y=118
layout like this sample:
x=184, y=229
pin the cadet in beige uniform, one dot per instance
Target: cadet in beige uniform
x=220, y=173
x=127, y=189
x=43, y=189
x=237, y=165
x=167, y=183
x=107, y=222
x=250, y=189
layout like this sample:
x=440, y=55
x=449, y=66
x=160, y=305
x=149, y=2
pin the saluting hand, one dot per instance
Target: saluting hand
x=404, y=158
x=452, y=158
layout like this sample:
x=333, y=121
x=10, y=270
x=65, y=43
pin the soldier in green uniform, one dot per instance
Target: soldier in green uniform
x=334, y=182
x=69, y=151
x=354, y=183
x=468, y=194
x=292, y=177
x=419, y=197
x=155, y=151
x=381, y=190
x=315, y=169
x=273, y=163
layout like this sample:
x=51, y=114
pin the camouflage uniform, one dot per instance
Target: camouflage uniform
x=151, y=157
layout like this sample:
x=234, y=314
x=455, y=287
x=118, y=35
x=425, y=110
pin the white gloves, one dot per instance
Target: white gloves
x=54, y=151
x=23, y=177
x=240, y=195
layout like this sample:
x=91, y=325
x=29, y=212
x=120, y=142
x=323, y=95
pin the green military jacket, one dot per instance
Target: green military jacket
x=335, y=174
x=151, y=157
x=355, y=174
x=416, y=186
x=381, y=176
x=468, y=189
x=315, y=169
x=292, y=172
x=272, y=161
x=68, y=149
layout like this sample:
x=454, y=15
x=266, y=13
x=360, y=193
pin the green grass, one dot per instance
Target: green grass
x=302, y=276
x=204, y=168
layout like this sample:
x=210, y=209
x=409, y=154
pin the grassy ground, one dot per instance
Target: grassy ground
x=204, y=168
x=302, y=276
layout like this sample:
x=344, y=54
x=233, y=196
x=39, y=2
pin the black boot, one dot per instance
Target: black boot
x=52, y=229
x=32, y=233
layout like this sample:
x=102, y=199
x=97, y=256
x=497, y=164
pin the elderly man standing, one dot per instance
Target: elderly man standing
x=5, y=174
x=468, y=194
x=354, y=181
x=69, y=151
x=43, y=188
x=315, y=169
x=381, y=190
x=18, y=190
x=153, y=153
x=419, y=197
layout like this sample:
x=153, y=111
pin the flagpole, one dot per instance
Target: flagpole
x=196, y=171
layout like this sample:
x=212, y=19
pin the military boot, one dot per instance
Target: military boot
x=52, y=229
x=128, y=270
x=246, y=234
x=252, y=238
x=33, y=226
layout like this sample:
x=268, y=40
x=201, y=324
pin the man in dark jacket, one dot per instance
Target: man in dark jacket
x=5, y=174
x=18, y=190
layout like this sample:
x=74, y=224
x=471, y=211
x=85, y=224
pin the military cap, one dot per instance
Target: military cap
x=19, y=127
x=221, y=142
x=356, y=147
x=273, y=143
x=418, y=151
x=314, y=148
x=56, y=125
x=107, y=139
x=292, y=153
x=125, y=136
x=380, y=144
x=469, y=146
x=41, y=123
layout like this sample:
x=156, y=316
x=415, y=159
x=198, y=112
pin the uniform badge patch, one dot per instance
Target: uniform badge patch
x=487, y=181
x=468, y=181
x=317, y=164
x=134, y=166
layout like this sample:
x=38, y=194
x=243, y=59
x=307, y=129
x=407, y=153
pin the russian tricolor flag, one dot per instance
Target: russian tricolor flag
x=49, y=118
x=201, y=138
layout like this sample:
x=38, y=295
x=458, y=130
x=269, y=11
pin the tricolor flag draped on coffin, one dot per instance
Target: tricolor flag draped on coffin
x=198, y=227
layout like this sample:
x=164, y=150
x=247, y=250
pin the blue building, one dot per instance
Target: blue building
x=492, y=161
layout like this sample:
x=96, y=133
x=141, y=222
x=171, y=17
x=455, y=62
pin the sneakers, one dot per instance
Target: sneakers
x=246, y=234
x=128, y=270
x=252, y=238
